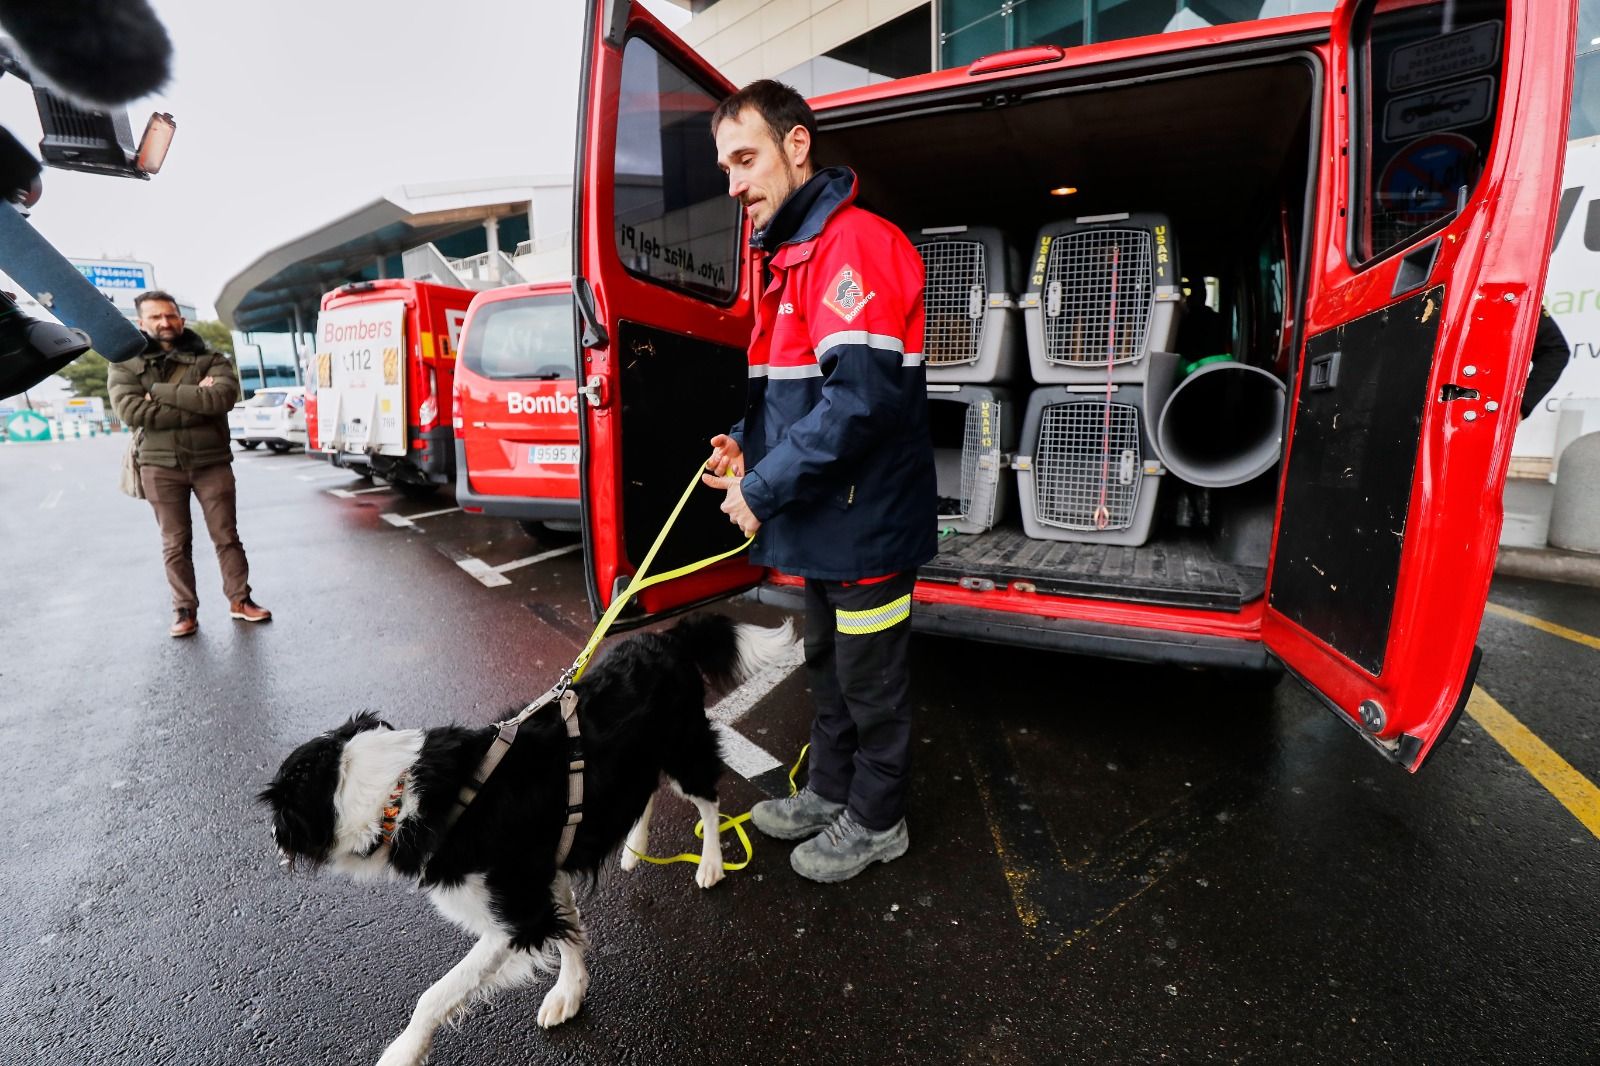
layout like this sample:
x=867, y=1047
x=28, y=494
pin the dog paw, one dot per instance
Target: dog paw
x=405, y=1051
x=560, y=1003
x=709, y=873
x=630, y=859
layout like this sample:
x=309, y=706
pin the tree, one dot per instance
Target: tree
x=87, y=375
x=217, y=336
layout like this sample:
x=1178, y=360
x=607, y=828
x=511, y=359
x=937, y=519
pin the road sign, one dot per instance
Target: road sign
x=120, y=279
x=27, y=425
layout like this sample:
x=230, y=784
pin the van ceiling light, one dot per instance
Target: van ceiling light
x=1063, y=190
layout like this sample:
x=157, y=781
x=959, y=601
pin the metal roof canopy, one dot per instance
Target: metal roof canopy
x=265, y=294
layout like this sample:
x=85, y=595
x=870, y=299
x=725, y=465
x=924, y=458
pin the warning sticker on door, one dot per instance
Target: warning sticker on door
x=1446, y=57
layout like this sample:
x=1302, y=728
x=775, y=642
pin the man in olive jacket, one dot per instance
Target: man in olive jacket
x=177, y=397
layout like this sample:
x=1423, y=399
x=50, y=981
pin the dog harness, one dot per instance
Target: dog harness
x=563, y=694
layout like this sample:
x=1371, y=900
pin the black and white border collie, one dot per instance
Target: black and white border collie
x=373, y=801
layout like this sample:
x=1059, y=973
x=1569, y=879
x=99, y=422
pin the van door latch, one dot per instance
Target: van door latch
x=594, y=390
x=1456, y=392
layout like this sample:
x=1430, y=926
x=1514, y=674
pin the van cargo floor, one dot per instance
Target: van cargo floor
x=1175, y=572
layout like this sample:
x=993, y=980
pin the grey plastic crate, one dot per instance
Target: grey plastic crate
x=971, y=453
x=1101, y=290
x=972, y=330
x=1076, y=457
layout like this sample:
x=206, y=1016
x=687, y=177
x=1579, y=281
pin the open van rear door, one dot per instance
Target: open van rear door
x=662, y=291
x=1445, y=128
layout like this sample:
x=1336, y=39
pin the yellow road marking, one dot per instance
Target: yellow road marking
x=1549, y=627
x=1577, y=793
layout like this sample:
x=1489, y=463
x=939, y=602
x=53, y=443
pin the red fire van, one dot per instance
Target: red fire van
x=381, y=377
x=1362, y=202
x=516, y=406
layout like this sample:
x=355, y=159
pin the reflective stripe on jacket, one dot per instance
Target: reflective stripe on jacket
x=838, y=457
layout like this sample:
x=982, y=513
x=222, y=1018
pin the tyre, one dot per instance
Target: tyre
x=413, y=491
x=278, y=446
x=249, y=445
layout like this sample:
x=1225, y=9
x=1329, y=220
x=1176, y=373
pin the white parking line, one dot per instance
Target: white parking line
x=325, y=476
x=541, y=557
x=492, y=576
x=742, y=756
x=404, y=521
x=737, y=703
x=49, y=502
x=349, y=494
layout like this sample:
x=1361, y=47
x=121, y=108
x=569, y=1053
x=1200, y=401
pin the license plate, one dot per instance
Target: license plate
x=556, y=454
x=263, y=419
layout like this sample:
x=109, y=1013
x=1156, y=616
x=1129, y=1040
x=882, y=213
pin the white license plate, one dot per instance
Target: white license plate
x=560, y=454
x=264, y=419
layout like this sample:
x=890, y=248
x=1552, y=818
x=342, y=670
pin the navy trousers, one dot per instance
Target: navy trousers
x=857, y=640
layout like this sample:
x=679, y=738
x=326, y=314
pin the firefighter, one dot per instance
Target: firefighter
x=832, y=469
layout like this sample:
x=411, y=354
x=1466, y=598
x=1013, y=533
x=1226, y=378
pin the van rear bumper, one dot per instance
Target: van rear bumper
x=1132, y=643
x=524, y=508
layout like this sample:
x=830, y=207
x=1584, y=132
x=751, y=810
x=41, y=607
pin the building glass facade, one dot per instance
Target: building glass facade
x=969, y=29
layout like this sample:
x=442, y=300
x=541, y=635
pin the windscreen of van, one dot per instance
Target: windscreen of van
x=530, y=339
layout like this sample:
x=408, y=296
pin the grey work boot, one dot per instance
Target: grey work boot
x=846, y=848
x=796, y=816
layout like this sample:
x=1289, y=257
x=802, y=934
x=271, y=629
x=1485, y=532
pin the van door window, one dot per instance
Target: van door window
x=1427, y=87
x=528, y=339
x=675, y=223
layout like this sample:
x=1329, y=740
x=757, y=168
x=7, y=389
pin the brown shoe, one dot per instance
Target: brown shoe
x=186, y=625
x=246, y=610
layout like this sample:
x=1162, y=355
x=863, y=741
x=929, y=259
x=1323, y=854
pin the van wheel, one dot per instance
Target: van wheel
x=278, y=446
x=249, y=445
x=556, y=531
x=411, y=490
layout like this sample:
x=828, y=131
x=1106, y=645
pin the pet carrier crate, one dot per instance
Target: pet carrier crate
x=1086, y=470
x=972, y=332
x=974, y=435
x=1103, y=289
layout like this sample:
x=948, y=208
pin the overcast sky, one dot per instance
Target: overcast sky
x=293, y=112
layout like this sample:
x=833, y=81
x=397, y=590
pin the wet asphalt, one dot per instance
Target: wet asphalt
x=1109, y=863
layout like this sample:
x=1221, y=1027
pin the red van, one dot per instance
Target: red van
x=380, y=381
x=1362, y=202
x=516, y=406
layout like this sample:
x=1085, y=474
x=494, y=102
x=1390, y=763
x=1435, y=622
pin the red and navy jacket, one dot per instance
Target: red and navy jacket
x=838, y=456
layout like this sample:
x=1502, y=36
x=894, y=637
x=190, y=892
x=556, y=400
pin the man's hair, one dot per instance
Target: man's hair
x=778, y=105
x=154, y=295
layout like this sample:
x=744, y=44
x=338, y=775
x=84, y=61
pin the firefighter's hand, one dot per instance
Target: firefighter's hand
x=734, y=507
x=207, y=380
x=726, y=458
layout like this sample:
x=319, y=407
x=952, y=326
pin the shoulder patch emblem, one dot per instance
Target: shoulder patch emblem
x=846, y=294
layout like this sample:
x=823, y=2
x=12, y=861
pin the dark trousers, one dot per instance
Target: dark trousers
x=857, y=641
x=168, y=490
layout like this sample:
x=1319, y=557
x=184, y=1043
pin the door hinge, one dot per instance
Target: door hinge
x=593, y=334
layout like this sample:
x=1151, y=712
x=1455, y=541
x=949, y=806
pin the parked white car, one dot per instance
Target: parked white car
x=274, y=416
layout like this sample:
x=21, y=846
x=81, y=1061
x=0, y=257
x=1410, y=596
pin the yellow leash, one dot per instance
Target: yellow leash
x=729, y=821
x=639, y=583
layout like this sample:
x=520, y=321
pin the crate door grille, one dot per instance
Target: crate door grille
x=980, y=462
x=1071, y=455
x=955, y=296
x=1077, y=296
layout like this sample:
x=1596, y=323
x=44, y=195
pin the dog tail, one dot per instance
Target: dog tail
x=728, y=652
